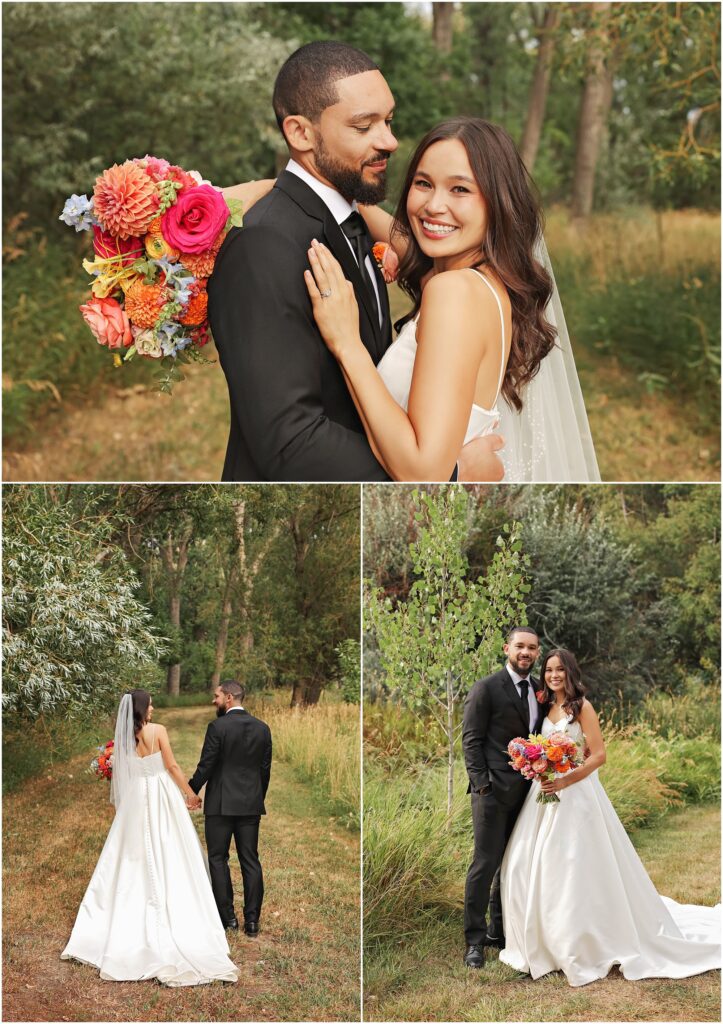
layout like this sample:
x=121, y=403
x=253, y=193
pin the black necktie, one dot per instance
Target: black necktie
x=356, y=231
x=524, y=685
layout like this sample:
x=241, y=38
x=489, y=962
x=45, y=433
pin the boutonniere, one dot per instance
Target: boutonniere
x=540, y=694
x=386, y=260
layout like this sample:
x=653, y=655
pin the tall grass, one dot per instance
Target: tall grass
x=50, y=358
x=324, y=746
x=644, y=289
x=415, y=860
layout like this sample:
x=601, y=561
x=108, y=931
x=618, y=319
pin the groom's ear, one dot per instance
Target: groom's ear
x=298, y=132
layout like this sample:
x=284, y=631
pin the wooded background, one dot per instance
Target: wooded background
x=615, y=107
x=173, y=588
x=627, y=577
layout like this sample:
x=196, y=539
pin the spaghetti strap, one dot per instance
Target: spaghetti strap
x=502, y=321
x=153, y=738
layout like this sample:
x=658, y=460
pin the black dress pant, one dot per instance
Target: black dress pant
x=493, y=823
x=244, y=829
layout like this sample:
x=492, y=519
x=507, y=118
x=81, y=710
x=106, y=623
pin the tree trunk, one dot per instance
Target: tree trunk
x=442, y=15
x=222, y=635
x=450, y=748
x=594, y=108
x=306, y=692
x=175, y=570
x=540, y=87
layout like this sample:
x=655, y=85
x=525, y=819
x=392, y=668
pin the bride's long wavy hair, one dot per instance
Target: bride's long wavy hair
x=514, y=222
x=574, y=690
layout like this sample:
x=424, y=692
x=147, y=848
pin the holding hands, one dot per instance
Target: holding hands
x=332, y=300
x=193, y=802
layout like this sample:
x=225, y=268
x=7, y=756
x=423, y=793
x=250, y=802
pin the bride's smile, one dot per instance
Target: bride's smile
x=446, y=209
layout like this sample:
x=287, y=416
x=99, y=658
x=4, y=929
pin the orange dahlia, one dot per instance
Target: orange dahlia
x=202, y=264
x=143, y=302
x=125, y=200
x=197, y=309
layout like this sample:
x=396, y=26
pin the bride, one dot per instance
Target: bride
x=485, y=346
x=148, y=911
x=575, y=895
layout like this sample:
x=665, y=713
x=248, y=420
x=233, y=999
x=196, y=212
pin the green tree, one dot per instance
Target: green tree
x=74, y=630
x=450, y=629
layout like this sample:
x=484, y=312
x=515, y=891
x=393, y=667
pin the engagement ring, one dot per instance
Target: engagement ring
x=326, y=294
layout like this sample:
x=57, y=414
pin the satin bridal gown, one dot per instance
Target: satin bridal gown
x=576, y=897
x=397, y=365
x=149, y=911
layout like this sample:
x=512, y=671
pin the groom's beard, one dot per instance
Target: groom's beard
x=348, y=181
x=220, y=712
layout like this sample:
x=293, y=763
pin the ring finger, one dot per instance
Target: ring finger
x=322, y=281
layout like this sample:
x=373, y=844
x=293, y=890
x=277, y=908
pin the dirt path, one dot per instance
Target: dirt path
x=303, y=966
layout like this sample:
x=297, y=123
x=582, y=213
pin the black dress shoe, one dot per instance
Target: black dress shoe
x=475, y=956
x=232, y=924
x=251, y=928
x=495, y=940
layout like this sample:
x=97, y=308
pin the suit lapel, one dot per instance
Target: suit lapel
x=384, y=300
x=510, y=691
x=340, y=247
x=315, y=207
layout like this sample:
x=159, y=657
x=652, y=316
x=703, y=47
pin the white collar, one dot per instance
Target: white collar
x=236, y=707
x=339, y=208
x=516, y=678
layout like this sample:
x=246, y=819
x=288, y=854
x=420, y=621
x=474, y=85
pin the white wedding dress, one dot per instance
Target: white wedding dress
x=149, y=911
x=549, y=440
x=397, y=366
x=576, y=897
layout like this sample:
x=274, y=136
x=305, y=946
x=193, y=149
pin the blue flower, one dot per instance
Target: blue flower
x=78, y=213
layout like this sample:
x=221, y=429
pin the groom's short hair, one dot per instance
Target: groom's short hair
x=521, y=629
x=233, y=688
x=305, y=84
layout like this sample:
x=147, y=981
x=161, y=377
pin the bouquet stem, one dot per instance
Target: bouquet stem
x=547, y=798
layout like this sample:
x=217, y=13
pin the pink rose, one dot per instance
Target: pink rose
x=538, y=766
x=532, y=750
x=155, y=167
x=108, y=322
x=107, y=246
x=195, y=220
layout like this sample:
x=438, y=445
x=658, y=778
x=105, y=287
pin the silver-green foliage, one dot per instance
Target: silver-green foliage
x=450, y=630
x=74, y=632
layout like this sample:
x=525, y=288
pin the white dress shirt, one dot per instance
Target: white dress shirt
x=340, y=209
x=531, y=698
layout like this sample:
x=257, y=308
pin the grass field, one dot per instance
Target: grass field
x=420, y=976
x=641, y=294
x=304, y=965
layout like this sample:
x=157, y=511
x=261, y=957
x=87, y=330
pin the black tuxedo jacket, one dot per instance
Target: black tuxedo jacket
x=494, y=715
x=235, y=764
x=292, y=417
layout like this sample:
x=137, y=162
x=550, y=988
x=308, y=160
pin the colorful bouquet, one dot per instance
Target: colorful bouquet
x=156, y=232
x=543, y=757
x=102, y=765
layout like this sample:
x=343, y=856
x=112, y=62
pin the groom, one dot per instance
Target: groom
x=496, y=710
x=292, y=417
x=236, y=765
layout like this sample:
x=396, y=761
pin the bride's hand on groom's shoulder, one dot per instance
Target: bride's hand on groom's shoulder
x=332, y=300
x=249, y=192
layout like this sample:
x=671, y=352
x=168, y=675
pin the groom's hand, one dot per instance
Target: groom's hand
x=193, y=803
x=478, y=462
